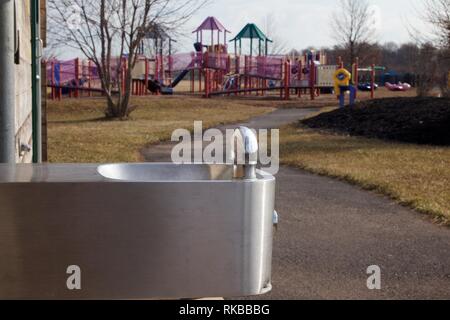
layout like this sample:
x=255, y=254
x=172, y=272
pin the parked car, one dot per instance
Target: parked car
x=398, y=87
x=366, y=86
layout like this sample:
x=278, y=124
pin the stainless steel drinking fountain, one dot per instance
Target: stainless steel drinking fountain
x=136, y=231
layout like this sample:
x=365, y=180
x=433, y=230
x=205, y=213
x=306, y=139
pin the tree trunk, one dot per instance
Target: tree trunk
x=112, y=109
x=124, y=105
x=352, y=53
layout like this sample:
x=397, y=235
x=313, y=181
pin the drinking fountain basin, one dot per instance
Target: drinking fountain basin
x=166, y=172
x=135, y=231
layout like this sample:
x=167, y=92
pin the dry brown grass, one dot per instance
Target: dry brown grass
x=79, y=134
x=416, y=176
x=272, y=98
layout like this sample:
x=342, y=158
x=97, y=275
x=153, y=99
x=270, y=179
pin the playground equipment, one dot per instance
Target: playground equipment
x=342, y=85
x=258, y=73
x=252, y=32
x=72, y=78
x=366, y=85
x=211, y=70
x=214, y=26
x=398, y=87
x=288, y=75
x=152, y=72
x=216, y=71
x=159, y=80
x=204, y=49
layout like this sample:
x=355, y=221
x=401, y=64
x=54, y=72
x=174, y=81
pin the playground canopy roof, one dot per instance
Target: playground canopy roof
x=251, y=31
x=211, y=23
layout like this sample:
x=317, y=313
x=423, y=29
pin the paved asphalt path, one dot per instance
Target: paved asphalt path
x=330, y=232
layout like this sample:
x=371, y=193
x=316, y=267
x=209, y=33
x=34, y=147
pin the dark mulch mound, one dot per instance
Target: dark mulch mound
x=414, y=120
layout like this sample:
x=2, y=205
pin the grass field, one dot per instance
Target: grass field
x=78, y=133
x=416, y=176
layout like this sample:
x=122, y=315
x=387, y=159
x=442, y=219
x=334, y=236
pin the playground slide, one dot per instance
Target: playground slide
x=156, y=87
x=183, y=74
x=180, y=77
x=398, y=87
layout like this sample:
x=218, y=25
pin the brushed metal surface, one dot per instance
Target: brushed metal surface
x=135, y=235
x=146, y=172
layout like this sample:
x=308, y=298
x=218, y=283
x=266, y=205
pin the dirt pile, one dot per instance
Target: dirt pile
x=413, y=120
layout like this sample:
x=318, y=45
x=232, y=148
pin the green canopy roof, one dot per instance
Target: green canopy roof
x=251, y=31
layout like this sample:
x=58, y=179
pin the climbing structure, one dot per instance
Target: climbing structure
x=157, y=39
x=210, y=69
x=218, y=33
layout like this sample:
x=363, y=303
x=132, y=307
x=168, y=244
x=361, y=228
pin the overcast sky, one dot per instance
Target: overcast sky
x=300, y=23
x=304, y=23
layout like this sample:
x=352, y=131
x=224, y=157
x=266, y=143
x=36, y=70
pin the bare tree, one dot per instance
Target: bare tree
x=353, y=25
x=407, y=57
x=50, y=53
x=110, y=32
x=271, y=29
x=434, y=64
x=437, y=13
x=427, y=69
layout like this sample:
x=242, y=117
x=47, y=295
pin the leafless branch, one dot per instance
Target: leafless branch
x=109, y=31
x=353, y=25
